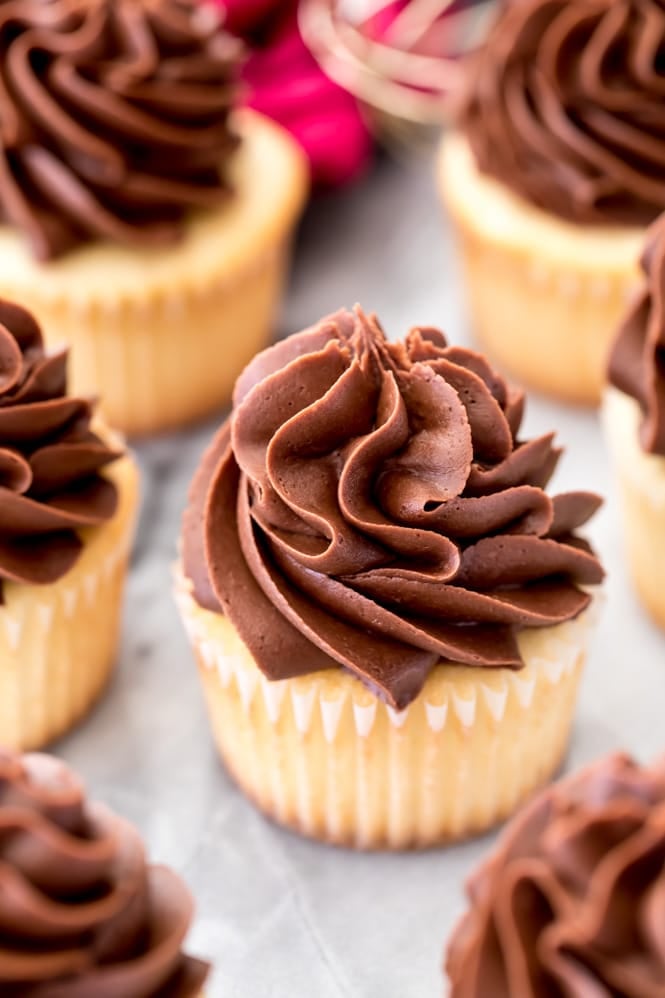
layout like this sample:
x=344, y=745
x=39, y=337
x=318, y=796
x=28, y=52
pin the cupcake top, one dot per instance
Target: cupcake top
x=50, y=459
x=370, y=505
x=564, y=105
x=637, y=361
x=572, y=900
x=115, y=119
x=82, y=912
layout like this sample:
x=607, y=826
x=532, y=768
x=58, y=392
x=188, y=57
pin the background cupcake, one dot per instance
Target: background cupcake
x=83, y=912
x=635, y=424
x=69, y=497
x=570, y=901
x=387, y=608
x=142, y=224
x=551, y=176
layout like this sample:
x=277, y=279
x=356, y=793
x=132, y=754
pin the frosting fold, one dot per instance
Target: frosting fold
x=51, y=484
x=572, y=901
x=637, y=360
x=81, y=913
x=369, y=505
x=115, y=119
x=564, y=106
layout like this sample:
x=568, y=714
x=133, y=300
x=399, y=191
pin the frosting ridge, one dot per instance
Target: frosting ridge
x=637, y=360
x=82, y=912
x=115, y=119
x=571, y=901
x=370, y=504
x=564, y=105
x=50, y=459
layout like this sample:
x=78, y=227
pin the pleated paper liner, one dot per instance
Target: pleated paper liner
x=325, y=757
x=641, y=479
x=160, y=335
x=58, y=642
x=545, y=296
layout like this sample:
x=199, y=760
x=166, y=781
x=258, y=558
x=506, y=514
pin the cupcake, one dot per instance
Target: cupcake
x=67, y=509
x=555, y=168
x=389, y=613
x=143, y=221
x=83, y=912
x=634, y=414
x=570, y=903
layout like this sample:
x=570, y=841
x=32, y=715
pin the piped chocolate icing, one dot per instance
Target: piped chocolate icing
x=82, y=914
x=370, y=505
x=571, y=903
x=51, y=484
x=637, y=361
x=114, y=119
x=564, y=105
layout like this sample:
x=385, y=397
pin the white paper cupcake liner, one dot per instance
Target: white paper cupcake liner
x=321, y=754
x=58, y=642
x=641, y=479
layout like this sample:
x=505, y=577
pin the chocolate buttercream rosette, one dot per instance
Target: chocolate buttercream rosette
x=137, y=202
x=552, y=175
x=381, y=594
x=563, y=105
x=84, y=913
x=634, y=416
x=67, y=502
x=116, y=119
x=570, y=902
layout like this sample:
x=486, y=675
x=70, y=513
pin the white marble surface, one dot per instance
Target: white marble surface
x=281, y=917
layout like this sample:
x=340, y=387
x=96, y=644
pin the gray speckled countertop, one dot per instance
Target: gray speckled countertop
x=281, y=917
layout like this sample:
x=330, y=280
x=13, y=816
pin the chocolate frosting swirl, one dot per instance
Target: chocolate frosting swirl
x=564, y=105
x=369, y=505
x=81, y=913
x=637, y=361
x=50, y=460
x=114, y=119
x=571, y=904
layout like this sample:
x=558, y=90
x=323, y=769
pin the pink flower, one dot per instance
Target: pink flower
x=287, y=84
x=243, y=15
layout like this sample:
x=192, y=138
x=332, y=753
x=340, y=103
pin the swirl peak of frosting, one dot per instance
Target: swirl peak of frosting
x=564, y=105
x=82, y=913
x=114, y=119
x=50, y=459
x=571, y=903
x=637, y=361
x=369, y=505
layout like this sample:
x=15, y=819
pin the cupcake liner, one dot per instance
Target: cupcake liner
x=546, y=296
x=325, y=757
x=641, y=478
x=160, y=335
x=162, y=363
x=58, y=642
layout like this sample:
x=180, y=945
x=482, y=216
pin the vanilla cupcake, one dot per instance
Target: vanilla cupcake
x=67, y=511
x=144, y=222
x=389, y=613
x=634, y=416
x=83, y=912
x=571, y=901
x=555, y=168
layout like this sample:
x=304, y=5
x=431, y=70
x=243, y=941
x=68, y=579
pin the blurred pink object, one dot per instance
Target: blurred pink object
x=244, y=15
x=424, y=28
x=287, y=84
x=400, y=58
